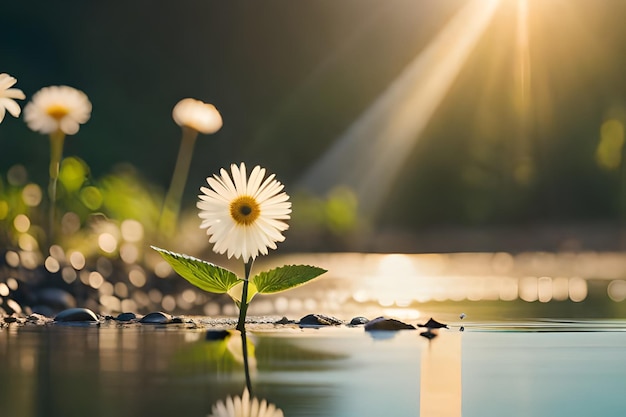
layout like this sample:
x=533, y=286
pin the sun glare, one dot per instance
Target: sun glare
x=369, y=155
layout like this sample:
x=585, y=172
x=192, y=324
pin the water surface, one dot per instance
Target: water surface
x=490, y=369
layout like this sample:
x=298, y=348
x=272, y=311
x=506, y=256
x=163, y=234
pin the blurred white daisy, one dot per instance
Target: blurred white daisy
x=57, y=108
x=197, y=115
x=8, y=96
x=244, y=216
x=244, y=407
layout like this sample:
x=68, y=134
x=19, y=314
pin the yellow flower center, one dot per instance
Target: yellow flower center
x=57, y=111
x=244, y=210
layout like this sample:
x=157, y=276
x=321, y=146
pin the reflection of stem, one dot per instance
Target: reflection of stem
x=171, y=206
x=622, y=202
x=56, y=153
x=243, y=309
x=246, y=366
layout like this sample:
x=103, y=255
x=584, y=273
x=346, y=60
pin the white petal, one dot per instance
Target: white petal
x=14, y=93
x=11, y=106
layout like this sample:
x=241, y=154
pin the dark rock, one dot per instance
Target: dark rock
x=76, y=315
x=383, y=323
x=126, y=317
x=318, y=320
x=433, y=324
x=37, y=319
x=177, y=320
x=10, y=319
x=357, y=321
x=284, y=320
x=217, y=334
x=156, y=317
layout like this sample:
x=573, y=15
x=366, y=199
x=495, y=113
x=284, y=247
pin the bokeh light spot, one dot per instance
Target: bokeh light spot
x=162, y=269
x=107, y=242
x=57, y=252
x=77, y=260
x=577, y=289
x=617, y=290
x=70, y=223
x=17, y=175
x=132, y=230
x=21, y=223
x=52, y=265
x=68, y=274
x=168, y=303
x=27, y=242
x=129, y=253
x=4, y=209
x=73, y=173
x=32, y=195
x=12, y=258
x=95, y=279
x=137, y=278
x=91, y=197
x=609, y=150
x=13, y=284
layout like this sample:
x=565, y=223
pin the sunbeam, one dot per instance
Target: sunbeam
x=369, y=155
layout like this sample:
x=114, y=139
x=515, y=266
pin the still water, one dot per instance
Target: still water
x=532, y=368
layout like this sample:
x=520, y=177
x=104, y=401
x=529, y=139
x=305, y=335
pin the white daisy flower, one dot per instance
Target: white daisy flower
x=197, y=115
x=244, y=216
x=244, y=407
x=8, y=96
x=57, y=107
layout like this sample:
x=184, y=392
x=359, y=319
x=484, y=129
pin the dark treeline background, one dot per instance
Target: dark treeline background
x=290, y=77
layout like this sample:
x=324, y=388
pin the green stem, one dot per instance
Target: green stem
x=243, y=309
x=171, y=206
x=246, y=366
x=56, y=153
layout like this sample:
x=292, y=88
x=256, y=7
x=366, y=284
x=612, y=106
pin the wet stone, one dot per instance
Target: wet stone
x=10, y=319
x=37, y=319
x=76, y=315
x=284, y=320
x=317, y=320
x=383, y=323
x=126, y=317
x=433, y=324
x=157, y=317
x=357, y=321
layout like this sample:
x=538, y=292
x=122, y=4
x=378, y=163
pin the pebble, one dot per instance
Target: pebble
x=318, y=320
x=76, y=315
x=383, y=323
x=284, y=320
x=126, y=317
x=357, y=321
x=157, y=317
x=433, y=324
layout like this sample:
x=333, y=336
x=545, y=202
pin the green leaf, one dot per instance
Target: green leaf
x=237, y=291
x=202, y=274
x=285, y=277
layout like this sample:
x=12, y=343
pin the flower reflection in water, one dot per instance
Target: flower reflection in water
x=245, y=406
